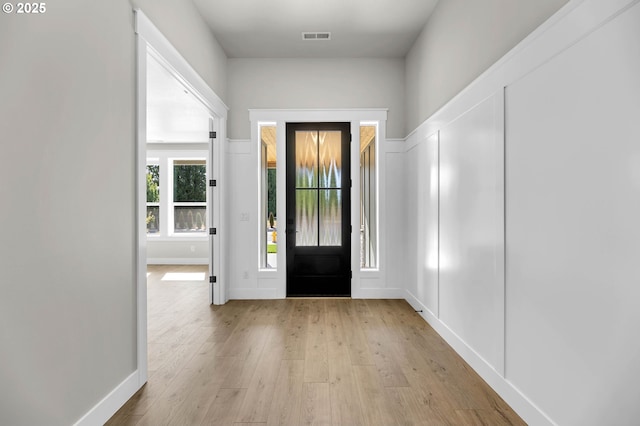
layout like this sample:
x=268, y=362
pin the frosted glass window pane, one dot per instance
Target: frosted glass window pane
x=330, y=217
x=306, y=159
x=330, y=159
x=306, y=217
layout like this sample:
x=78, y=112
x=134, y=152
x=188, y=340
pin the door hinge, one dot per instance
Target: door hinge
x=350, y=183
x=351, y=229
x=350, y=137
x=212, y=279
x=213, y=135
x=213, y=182
x=351, y=274
x=212, y=231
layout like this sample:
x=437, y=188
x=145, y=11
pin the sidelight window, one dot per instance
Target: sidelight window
x=268, y=212
x=368, y=197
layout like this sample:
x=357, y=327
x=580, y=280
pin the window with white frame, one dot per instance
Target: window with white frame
x=177, y=194
x=189, y=196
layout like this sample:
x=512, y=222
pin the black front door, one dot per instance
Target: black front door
x=318, y=209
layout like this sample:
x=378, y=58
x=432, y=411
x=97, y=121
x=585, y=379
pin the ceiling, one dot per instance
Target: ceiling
x=273, y=28
x=173, y=113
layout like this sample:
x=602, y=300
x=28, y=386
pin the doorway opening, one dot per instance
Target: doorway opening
x=318, y=213
x=178, y=167
x=171, y=99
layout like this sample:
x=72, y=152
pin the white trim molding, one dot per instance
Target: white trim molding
x=169, y=55
x=104, y=409
x=154, y=43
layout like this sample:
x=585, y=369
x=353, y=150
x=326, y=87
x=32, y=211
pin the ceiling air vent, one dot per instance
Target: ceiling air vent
x=316, y=36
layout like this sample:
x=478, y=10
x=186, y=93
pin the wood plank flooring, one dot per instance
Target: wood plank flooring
x=300, y=362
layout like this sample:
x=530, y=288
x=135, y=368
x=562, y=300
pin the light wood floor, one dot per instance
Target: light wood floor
x=300, y=362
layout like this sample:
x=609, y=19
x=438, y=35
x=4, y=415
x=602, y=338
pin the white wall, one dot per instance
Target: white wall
x=67, y=310
x=396, y=247
x=315, y=83
x=461, y=40
x=181, y=252
x=554, y=335
x=67, y=253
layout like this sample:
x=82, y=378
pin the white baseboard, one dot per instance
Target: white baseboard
x=177, y=261
x=111, y=403
x=526, y=409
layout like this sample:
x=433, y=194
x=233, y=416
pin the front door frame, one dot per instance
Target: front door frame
x=318, y=258
x=277, y=279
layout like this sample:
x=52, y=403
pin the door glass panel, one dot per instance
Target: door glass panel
x=306, y=159
x=318, y=179
x=306, y=217
x=330, y=217
x=330, y=159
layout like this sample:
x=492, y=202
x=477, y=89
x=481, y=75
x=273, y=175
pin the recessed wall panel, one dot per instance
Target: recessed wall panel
x=471, y=255
x=573, y=229
x=422, y=221
x=412, y=185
